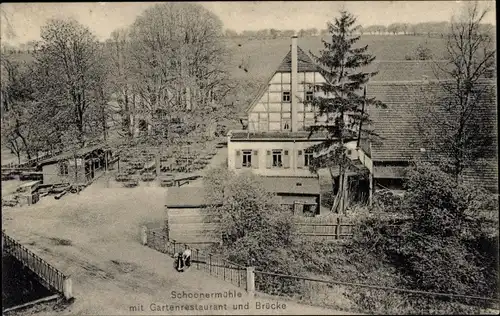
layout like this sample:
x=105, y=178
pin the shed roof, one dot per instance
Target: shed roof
x=292, y=185
x=67, y=155
x=188, y=197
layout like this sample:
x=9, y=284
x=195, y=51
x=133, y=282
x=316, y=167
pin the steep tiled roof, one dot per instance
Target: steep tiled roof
x=485, y=174
x=304, y=62
x=397, y=125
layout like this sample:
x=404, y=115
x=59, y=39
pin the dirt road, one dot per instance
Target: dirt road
x=94, y=237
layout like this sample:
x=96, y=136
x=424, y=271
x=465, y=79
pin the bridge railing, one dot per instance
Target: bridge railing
x=47, y=274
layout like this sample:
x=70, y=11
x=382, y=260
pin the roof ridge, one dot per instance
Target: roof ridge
x=409, y=61
x=421, y=82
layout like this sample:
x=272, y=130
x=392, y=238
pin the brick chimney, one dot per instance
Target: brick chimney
x=294, y=77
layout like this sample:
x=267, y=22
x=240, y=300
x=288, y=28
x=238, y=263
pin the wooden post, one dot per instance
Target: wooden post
x=251, y=281
x=197, y=259
x=370, y=193
x=345, y=197
x=210, y=263
x=340, y=194
x=144, y=235
x=106, y=161
x=76, y=170
x=337, y=230
x=157, y=162
x=68, y=288
x=76, y=174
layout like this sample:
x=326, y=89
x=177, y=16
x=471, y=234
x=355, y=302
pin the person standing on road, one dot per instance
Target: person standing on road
x=186, y=257
x=179, y=263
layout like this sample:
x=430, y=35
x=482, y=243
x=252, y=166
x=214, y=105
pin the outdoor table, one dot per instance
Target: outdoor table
x=131, y=183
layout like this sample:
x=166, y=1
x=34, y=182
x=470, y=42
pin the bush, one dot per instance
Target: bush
x=447, y=245
x=423, y=52
x=386, y=200
x=256, y=230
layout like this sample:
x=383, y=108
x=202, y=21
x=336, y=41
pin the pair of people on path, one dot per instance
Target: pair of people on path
x=182, y=260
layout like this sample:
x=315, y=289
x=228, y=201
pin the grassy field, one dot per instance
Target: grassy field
x=261, y=56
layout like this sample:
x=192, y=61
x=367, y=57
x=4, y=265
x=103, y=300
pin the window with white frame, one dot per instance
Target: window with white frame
x=277, y=158
x=247, y=159
x=308, y=156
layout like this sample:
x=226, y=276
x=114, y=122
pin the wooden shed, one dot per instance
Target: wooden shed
x=189, y=219
x=302, y=194
x=78, y=167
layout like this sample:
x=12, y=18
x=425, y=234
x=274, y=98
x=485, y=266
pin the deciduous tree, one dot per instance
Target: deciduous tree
x=121, y=81
x=457, y=127
x=178, y=58
x=70, y=69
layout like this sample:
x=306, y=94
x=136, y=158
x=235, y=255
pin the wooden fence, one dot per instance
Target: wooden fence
x=49, y=276
x=199, y=226
x=215, y=265
x=193, y=226
x=321, y=228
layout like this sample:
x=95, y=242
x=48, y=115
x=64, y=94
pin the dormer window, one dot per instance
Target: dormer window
x=286, y=96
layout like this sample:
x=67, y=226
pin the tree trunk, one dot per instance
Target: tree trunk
x=134, y=118
x=128, y=116
x=104, y=124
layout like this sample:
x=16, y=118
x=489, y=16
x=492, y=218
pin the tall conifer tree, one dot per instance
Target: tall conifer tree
x=341, y=104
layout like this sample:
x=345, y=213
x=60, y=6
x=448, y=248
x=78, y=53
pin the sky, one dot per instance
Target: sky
x=104, y=17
